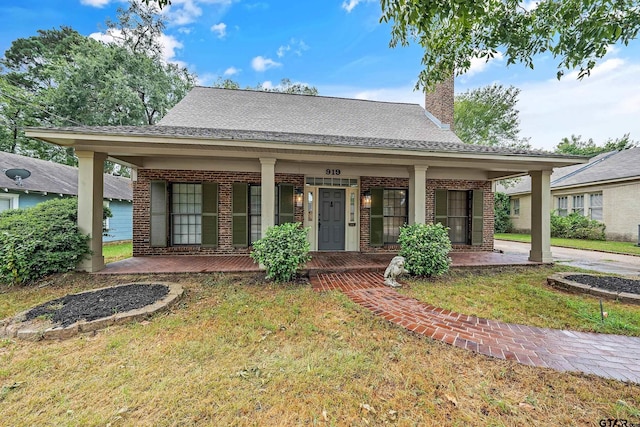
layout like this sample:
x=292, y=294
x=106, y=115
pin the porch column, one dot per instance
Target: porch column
x=90, y=200
x=417, y=194
x=540, y=216
x=268, y=184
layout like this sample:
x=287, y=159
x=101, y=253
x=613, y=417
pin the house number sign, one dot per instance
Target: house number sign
x=332, y=172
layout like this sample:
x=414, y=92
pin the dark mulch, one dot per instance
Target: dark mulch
x=613, y=284
x=98, y=304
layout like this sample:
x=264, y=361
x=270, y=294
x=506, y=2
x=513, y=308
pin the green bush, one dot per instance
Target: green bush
x=425, y=248
x=39, y=241
x=576, y=226
x=501, y=208
x=284, y=248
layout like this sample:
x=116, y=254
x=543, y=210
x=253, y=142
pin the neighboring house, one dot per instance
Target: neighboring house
x=49, y=180
x=606, y=189
x=224, y=165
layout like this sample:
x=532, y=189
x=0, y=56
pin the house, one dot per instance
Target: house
x=605, y=189
x=224, y=165
x=49, y=180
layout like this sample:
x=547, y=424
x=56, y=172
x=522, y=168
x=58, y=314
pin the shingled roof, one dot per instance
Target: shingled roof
x=611, y=166
x=56, y=178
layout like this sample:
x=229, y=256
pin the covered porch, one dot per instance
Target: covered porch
x=321, y=262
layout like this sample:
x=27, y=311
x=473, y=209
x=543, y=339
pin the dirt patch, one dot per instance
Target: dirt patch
x=613, y=284
x=92, y=310
x=94, y=305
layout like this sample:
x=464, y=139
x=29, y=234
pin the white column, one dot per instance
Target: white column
x=417, y=194
x=268, y=184
x=540, y=216
x=90, y=211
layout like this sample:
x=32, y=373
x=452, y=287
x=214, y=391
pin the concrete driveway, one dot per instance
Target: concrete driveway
x=589, y=260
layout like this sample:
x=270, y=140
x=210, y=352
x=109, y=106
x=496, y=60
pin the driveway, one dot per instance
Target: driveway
x=589, y=260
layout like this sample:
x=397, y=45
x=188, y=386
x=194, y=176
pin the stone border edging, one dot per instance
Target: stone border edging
x=14, y=327
x=560, y=281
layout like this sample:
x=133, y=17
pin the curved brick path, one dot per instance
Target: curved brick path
x=610, y=356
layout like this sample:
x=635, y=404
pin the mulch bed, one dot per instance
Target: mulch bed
x=613, y=284
x=98, y=304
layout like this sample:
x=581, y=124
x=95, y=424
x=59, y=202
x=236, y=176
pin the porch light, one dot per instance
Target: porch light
x=298, y=197
x=366, y=199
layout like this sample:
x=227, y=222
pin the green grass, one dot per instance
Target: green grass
x=117, y=251
x=238, y=351
x=592, y=245
x=523, y=296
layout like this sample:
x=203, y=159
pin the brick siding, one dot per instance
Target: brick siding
x=141, y=207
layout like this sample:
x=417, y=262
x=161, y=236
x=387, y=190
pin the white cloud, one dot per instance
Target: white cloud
x=169, y=44
x=183, y=12
x=530, y=5
x=231, y=71
x=220, y=29
x=260, y=63
x=351, y=4
x=602, y=106
x=184, y=30
x=268, y=85
x=479, y=65
x=95, y=3
x=296, y=46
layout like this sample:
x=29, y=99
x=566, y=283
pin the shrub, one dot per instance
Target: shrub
x=425, y=248
x=282, y=250
x=39, y=241
x=576, y=226
x=501, y=208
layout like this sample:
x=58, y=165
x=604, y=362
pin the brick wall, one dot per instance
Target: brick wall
x=368, y=182
x=488, y=220
x=141, y=207
x=439, y=102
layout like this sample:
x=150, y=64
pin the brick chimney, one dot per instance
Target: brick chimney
x=439, y=102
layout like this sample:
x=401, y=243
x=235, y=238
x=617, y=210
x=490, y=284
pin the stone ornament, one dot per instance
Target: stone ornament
x=395, y=269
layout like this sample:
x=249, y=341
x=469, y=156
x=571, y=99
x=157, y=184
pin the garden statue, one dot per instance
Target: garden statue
x=395, y=269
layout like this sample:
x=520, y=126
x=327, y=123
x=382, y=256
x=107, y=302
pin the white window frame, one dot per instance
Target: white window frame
x=515, y=207
x=563, y=210
x=14, y=200
x=597, y=208
x=578, y=207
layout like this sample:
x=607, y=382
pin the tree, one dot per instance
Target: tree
x=488, y=116
x=61, y=78
x=285, y=86
x=576, y=146
x=576, y=33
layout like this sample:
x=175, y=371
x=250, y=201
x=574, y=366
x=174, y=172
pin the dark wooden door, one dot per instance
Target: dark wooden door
x=331, y=219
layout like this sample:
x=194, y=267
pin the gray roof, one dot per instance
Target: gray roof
x=611, y=166
x=56, y=178
x=270, y=117
x=303, y=114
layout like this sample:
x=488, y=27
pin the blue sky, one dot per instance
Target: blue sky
x=340, y=47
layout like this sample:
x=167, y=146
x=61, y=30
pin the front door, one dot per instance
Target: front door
x=331, y=219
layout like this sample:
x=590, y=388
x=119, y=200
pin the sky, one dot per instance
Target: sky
x=341, y=48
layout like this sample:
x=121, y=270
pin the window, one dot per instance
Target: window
x=515, y=207
x=463, y=213
x=8, y=201
x=595, y=206
x=458, y=216
x=255, y=213
x=578, y=204
x=106, y=224
x=563, y=205
x=186, y=214
x=394, y=207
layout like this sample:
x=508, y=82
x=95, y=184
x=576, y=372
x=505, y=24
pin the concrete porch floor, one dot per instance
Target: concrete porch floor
x=321, y=262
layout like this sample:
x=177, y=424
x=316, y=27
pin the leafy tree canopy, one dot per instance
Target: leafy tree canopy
x=576, y=33
x=59, y=77
x=576, y=146
x=488, y=116
x=285, y=86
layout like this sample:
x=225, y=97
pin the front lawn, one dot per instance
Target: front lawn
x=117, y=251
x=592, y=245
x=237, y=351
x=523, y=296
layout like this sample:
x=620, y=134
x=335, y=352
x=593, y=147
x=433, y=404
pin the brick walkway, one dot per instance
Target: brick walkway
x=609, y=356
